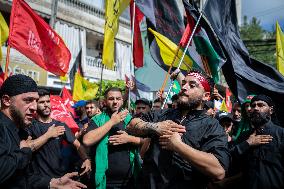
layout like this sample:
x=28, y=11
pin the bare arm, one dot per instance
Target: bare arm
x=97, y=134
x=205, y=162
x=52, y=132
x=138, y=127
x=82, y=153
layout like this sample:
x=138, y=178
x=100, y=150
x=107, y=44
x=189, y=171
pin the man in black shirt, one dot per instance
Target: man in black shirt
x=263, y=151
x=112, y=148
x=18, y=105
x=48, y=151
x=187, y=161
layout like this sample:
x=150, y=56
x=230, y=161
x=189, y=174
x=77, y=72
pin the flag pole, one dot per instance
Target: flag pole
x=183, y=55
x=132, y=49
x=169, y=71
x=7, y=62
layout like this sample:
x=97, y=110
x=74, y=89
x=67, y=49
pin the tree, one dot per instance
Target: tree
x=260, y=43
x=107, y=84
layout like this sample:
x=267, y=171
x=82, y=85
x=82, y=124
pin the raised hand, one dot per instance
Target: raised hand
x=117, y=117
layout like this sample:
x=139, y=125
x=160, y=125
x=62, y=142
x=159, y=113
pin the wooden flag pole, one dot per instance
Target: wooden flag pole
x=7, y=62
x=183, y=55
x=169, y=71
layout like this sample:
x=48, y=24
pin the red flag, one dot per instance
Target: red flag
x=137, y=40
x=60, y=112
x=34, y=38
x=187, y=32
x=68, y=100
x=228, y=99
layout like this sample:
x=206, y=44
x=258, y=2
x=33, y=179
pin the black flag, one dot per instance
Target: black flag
x=243, y=74
x=165, y=18
x=75, y=68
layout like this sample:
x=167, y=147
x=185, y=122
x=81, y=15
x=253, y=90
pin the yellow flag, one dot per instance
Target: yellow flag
x=279, y=49
x=83, y=89
x=223, y=106
x=168, y=50
x=113, y=8
x=64, y=78
x=4, y=33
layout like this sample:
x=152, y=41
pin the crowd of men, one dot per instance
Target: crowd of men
x=185, y=145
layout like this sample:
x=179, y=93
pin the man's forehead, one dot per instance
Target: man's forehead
x=91, y=105
x=141, y=104
x=114, y=94
x=259, y=102
x=29, y=95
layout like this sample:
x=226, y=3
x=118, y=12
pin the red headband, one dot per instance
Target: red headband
x=201, y=79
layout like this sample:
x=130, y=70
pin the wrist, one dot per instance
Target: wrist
x=53, y=184
x=178, y=145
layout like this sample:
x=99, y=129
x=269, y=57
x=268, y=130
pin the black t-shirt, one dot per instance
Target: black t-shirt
x=48, y=158
x=119, y=168
x=165, y=169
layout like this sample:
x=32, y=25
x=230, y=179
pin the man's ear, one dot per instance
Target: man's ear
x=206, y=96
x=271, y=110
x=6, y=100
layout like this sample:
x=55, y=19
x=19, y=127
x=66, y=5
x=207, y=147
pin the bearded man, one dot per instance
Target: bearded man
x=18, y=105
x=264, y=149
x=188, y=148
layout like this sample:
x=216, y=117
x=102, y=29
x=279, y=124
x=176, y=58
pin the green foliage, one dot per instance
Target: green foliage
x=260, y=43
x=107, y=84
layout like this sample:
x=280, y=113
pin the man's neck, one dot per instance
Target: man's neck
x=45, y=119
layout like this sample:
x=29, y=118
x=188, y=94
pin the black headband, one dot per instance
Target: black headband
x=264, y=98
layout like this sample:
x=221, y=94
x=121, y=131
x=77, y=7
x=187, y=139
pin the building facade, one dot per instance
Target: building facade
x=81, y=25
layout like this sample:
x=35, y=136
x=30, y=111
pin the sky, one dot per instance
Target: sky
x=267, y=11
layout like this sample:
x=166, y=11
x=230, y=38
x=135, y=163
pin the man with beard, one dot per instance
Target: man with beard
x=18, y=105
x=112, y=149
x=264, y=149
x=92, y=109
x=187, y=154
x=48, y=160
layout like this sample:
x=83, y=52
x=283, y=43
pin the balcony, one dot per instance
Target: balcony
x=88, y=8
x=93, y=69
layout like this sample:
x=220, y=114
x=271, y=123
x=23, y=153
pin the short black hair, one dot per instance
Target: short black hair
x=158, y=100
x=92, y=102
x=112, y=89
x=43, y=92
x=174, y=97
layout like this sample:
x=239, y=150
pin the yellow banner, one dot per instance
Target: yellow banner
x=168, y=50
x=113, y=8
x=279, y=49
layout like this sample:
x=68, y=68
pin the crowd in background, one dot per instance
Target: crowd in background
x=187, y=144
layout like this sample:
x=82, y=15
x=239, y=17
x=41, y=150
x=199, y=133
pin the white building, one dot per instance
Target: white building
x=81, y=25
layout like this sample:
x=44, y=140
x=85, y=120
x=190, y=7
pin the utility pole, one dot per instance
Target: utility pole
x=54, y=6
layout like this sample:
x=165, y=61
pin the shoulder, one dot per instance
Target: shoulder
x=211, y=125
x=159, y=115
x=58, y=123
